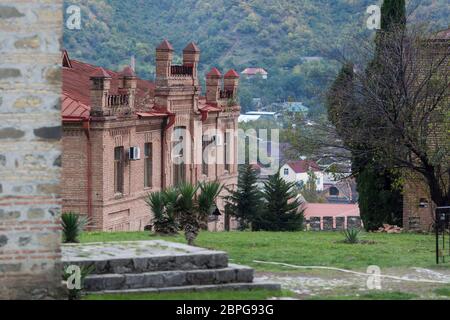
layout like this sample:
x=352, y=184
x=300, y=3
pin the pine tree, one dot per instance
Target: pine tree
x=281, y=212
x=393, y=14
x=244, y=203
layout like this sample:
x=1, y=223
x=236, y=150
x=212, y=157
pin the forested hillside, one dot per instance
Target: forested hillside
x=273, y=34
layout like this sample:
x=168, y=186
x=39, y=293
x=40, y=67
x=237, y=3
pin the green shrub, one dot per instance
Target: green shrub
x=351, y=235
x=73, y=225
x=162, y=205
x=75, y=294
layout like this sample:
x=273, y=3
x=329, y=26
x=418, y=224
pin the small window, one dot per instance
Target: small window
x=148, y=165
x=118, y=169
x=334, y=191
x=286, y=172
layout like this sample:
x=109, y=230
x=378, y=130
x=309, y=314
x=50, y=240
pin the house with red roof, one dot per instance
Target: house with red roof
x=255, y=72
x=299, y=172
x=124, y=137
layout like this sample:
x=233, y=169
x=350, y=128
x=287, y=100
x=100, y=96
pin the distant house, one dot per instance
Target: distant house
x=343, y=191
x=297, y=171
x=295, y=107
x=253, y=72
x=257, y=115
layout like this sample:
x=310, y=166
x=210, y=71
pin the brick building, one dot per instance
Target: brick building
x=124, y=137
x=418, y=208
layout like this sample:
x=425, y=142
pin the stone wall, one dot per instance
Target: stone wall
x=333, y=223
x=30, y=129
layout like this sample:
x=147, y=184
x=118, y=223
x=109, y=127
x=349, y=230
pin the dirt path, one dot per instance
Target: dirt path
x=310, y=283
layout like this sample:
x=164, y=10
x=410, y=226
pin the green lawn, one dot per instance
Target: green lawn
x=304, y=248
x=212, y=295
x=371, y=296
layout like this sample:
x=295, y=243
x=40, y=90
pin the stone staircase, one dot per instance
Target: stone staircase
x=158, y=266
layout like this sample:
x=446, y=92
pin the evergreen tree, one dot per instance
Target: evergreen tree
x=244, y=203
x=281, y=212
x=380, y=197
x=393, y=14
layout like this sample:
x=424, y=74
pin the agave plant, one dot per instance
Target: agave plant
x=351, y=235
x=73, y=225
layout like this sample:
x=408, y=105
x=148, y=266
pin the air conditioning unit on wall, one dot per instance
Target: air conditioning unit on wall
x=134, y=153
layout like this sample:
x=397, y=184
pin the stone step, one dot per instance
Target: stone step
x=141, y=257
x=201, y=288
x=167, y=279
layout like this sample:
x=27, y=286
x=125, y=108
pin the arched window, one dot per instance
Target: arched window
x=334, y=191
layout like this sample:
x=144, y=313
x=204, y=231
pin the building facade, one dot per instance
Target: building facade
x=299, y=172
x=124, y=137
x=418, y=208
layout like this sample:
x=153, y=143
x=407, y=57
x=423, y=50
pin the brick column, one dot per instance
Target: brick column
x=30, y=130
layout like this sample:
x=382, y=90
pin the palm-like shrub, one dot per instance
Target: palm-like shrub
x=75, y=294
x=162, y=205
x=73, y=225
x=185, y=207
x=351, y=235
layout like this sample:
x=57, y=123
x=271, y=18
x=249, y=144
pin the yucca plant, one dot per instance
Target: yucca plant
x=187, y=213
x=73, y=225
x=162, y=205
x=351, y=235
x=206, y=200
x=75, y=294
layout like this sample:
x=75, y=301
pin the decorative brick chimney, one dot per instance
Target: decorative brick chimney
x=191, y=58
x=230, y=85
x=164, y=56
x=100, y=87
x=213, y=86
x=127, y=86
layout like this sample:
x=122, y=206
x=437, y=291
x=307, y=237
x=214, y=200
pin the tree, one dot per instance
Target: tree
x=281, y=207
x=164, y=216
x=380, y=196
x=403, y=109
x=194, y=205
x=309, y=189
x=184, y=207
x=244, y=203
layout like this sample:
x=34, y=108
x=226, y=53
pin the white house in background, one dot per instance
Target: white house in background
x=257, y=115
x=297, y=171
x=253, y=72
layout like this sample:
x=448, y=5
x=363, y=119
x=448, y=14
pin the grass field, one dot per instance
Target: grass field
x=304, y=248
x=213, y=295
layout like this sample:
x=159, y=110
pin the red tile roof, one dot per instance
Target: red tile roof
x=165, y=45
x=73, y=110
x=330, y=210
x=100, y=73
x=77, y=84
x=231, y=74
x=254, y=71
x=191, y=47
x=303, y=166
x=443, y=35
x=214, y=73
x=127, y=72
